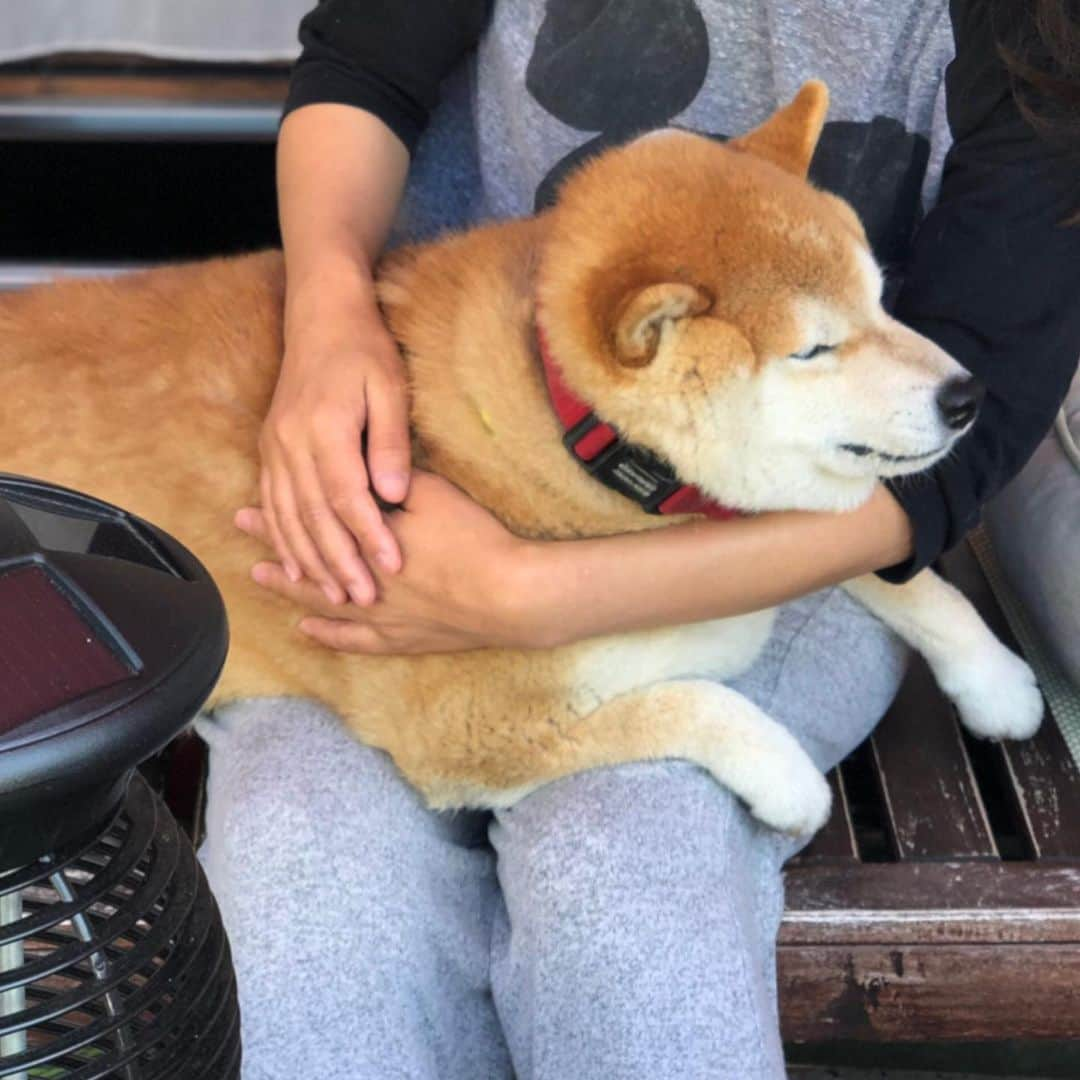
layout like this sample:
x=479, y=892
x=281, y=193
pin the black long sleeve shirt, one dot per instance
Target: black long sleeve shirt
x=993, y=277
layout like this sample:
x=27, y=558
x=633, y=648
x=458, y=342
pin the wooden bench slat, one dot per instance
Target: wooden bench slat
x=836, y=841
x=935, y=886
x=194, y=105
x=267, y=85
x=915, y=951
x=932, y=903
x=1008, y=926
x=930, y=794
x=1043, y=778
x=1046, y=785
x=944, y=993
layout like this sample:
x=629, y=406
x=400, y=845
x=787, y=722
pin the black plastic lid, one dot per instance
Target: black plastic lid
x=112, y=636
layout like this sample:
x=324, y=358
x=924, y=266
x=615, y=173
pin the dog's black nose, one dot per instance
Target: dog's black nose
x=959, y=401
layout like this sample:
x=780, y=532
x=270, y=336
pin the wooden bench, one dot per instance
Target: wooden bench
x=942, y=901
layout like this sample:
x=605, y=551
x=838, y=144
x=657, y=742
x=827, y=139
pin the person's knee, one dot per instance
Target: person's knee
x=287, y=782
x=344, y=895
x=635, y=839
x=623, y=887
x=302, y=818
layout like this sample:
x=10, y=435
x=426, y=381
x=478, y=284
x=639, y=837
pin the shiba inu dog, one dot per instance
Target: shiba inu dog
x=700, y=299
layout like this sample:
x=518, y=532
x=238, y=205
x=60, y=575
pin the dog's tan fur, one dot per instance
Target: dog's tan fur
x=670, y=274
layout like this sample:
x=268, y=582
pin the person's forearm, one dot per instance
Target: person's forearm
x=341, y=172
x=706, y=570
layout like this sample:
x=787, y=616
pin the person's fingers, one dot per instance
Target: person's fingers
x=344, y=479
x=300, y=515
x=344, y=636
x=252, y=520
x=388, y=449
x=332, y=518
x=277, y=537
x=305, y=593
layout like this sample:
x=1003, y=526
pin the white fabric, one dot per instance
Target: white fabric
x=197, y=30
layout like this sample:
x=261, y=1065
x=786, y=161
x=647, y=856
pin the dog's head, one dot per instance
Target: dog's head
x=715, y=307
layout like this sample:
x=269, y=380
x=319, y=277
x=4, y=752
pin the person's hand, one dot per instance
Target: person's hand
x=341, y=375
x=465, y=583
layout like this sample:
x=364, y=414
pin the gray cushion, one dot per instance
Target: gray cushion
x=1034, y=525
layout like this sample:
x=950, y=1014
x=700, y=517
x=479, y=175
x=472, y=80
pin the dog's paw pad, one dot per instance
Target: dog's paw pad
x=998, y=698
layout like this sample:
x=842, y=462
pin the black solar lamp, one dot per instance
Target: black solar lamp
x=113, y=959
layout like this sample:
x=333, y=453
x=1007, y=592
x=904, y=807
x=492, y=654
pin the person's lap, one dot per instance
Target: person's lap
x=345, y=899
x=617, y=921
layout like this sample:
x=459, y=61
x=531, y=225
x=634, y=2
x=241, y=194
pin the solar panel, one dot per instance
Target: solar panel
x=49, y=652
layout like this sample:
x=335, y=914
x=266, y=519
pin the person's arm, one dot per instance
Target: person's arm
x=994, y=279
x=706, y=570
x=469, y=583
x=340, y=173
x=359, y=98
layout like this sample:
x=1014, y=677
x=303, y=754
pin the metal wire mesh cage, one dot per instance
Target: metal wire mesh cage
x=113, y=959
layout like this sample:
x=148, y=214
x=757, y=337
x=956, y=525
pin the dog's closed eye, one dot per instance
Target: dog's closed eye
x=809, y=354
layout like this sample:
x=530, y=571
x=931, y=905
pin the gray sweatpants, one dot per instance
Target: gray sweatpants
x=615, y=924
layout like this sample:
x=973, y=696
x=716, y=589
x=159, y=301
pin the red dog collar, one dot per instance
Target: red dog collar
x=631, y=470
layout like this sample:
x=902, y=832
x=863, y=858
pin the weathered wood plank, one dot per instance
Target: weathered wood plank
x=836, y=841
x=934, y=886
x=914, y=994
x=1046, y=785
x=931, y=797
x=928, y=903
x=1044, y=780
x=931, y=929
x=258, y=85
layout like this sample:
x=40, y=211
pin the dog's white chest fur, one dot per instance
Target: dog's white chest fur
x=718, y=649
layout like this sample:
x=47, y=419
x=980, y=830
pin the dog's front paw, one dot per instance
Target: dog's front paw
x=798, y=808
x=790, y=794
x=997, y=697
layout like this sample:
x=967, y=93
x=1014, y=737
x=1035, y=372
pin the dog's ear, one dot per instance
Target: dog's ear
x=790, y=136
x=642, y=313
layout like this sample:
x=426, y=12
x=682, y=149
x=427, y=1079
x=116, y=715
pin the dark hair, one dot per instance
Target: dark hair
x=1039, y=41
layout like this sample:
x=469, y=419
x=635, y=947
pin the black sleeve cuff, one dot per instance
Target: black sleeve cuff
x=922, y=501
x=323, y=81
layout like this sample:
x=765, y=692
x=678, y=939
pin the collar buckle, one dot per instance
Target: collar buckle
x=631, y=470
